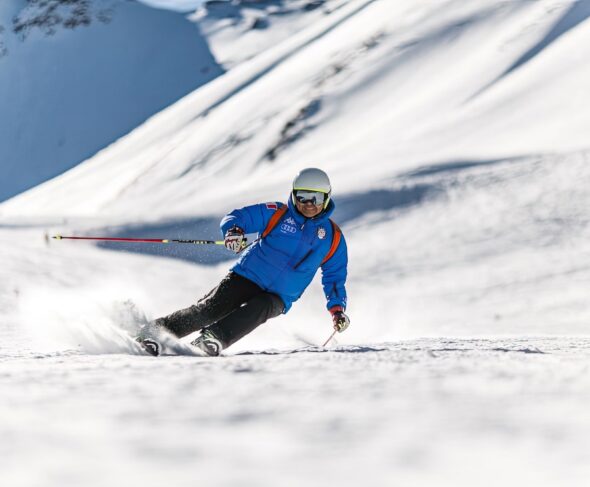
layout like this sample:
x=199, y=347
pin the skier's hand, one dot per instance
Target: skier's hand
x=341, y=321
x=234, y=239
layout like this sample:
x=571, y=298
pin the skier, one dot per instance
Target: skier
x=294, y=241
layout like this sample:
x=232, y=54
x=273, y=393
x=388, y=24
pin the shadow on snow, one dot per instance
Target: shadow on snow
x=413, y=188
x=348, y=208
x=577, y=13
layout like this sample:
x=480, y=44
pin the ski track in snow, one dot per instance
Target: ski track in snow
x=433, y=411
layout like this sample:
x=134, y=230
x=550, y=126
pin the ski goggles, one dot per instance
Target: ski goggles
x=315, y=197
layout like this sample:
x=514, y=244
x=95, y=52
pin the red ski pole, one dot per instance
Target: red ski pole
x=148, y=240
x=331, y=336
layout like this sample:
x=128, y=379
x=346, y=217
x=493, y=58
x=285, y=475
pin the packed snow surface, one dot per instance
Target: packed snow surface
x=456, y=137
x=420, y=412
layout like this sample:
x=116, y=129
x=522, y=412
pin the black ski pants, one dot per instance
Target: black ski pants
x=231, y=310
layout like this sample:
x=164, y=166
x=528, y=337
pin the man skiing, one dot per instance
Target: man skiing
x=295, y=240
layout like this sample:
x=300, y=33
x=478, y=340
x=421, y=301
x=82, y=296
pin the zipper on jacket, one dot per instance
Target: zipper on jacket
x=304, y=257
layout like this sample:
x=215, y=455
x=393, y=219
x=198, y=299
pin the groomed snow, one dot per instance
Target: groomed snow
x=455, y=134
x=417, y=413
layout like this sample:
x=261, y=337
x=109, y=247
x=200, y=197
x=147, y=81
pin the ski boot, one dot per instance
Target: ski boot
x=147, y=339
x=207, y=342
x=150, y=346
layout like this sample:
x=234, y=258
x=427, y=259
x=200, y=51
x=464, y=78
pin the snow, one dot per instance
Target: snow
x=419, y=412
x=455, y=134
x=65, y=96
x=238, y=31
x=178, y=5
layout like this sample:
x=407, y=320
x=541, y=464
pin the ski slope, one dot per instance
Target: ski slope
x=66, y=93
x=461, y=179
x=419, y=413
x=455, y=134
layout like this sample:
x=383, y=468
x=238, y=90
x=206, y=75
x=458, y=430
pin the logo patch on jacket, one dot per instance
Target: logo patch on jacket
x=288, y=226
x=272, y=206
x=321, y=233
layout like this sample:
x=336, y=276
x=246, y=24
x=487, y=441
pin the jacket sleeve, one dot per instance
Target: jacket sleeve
x=251, y=219
x=334, y=273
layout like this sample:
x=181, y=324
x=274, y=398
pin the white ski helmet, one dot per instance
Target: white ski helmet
x=312, y=179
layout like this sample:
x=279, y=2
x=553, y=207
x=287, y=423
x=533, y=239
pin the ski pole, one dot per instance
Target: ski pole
x=331, y=336
x=245, y=245
x=148, y=240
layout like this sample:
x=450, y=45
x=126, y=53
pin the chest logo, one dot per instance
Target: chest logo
x=321, y=233
x=288, y=226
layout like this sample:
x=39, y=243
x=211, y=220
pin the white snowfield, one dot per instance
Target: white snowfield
x=413, y=413
x=456, y=137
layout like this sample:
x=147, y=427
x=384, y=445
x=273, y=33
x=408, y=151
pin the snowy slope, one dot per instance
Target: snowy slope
x=238, y=31
x=462, y=165
x=456, y=137
x=66, y=93
x=418, y=413
x=369, y=94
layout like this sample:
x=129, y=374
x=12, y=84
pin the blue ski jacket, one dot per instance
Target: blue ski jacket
x=287, y=259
